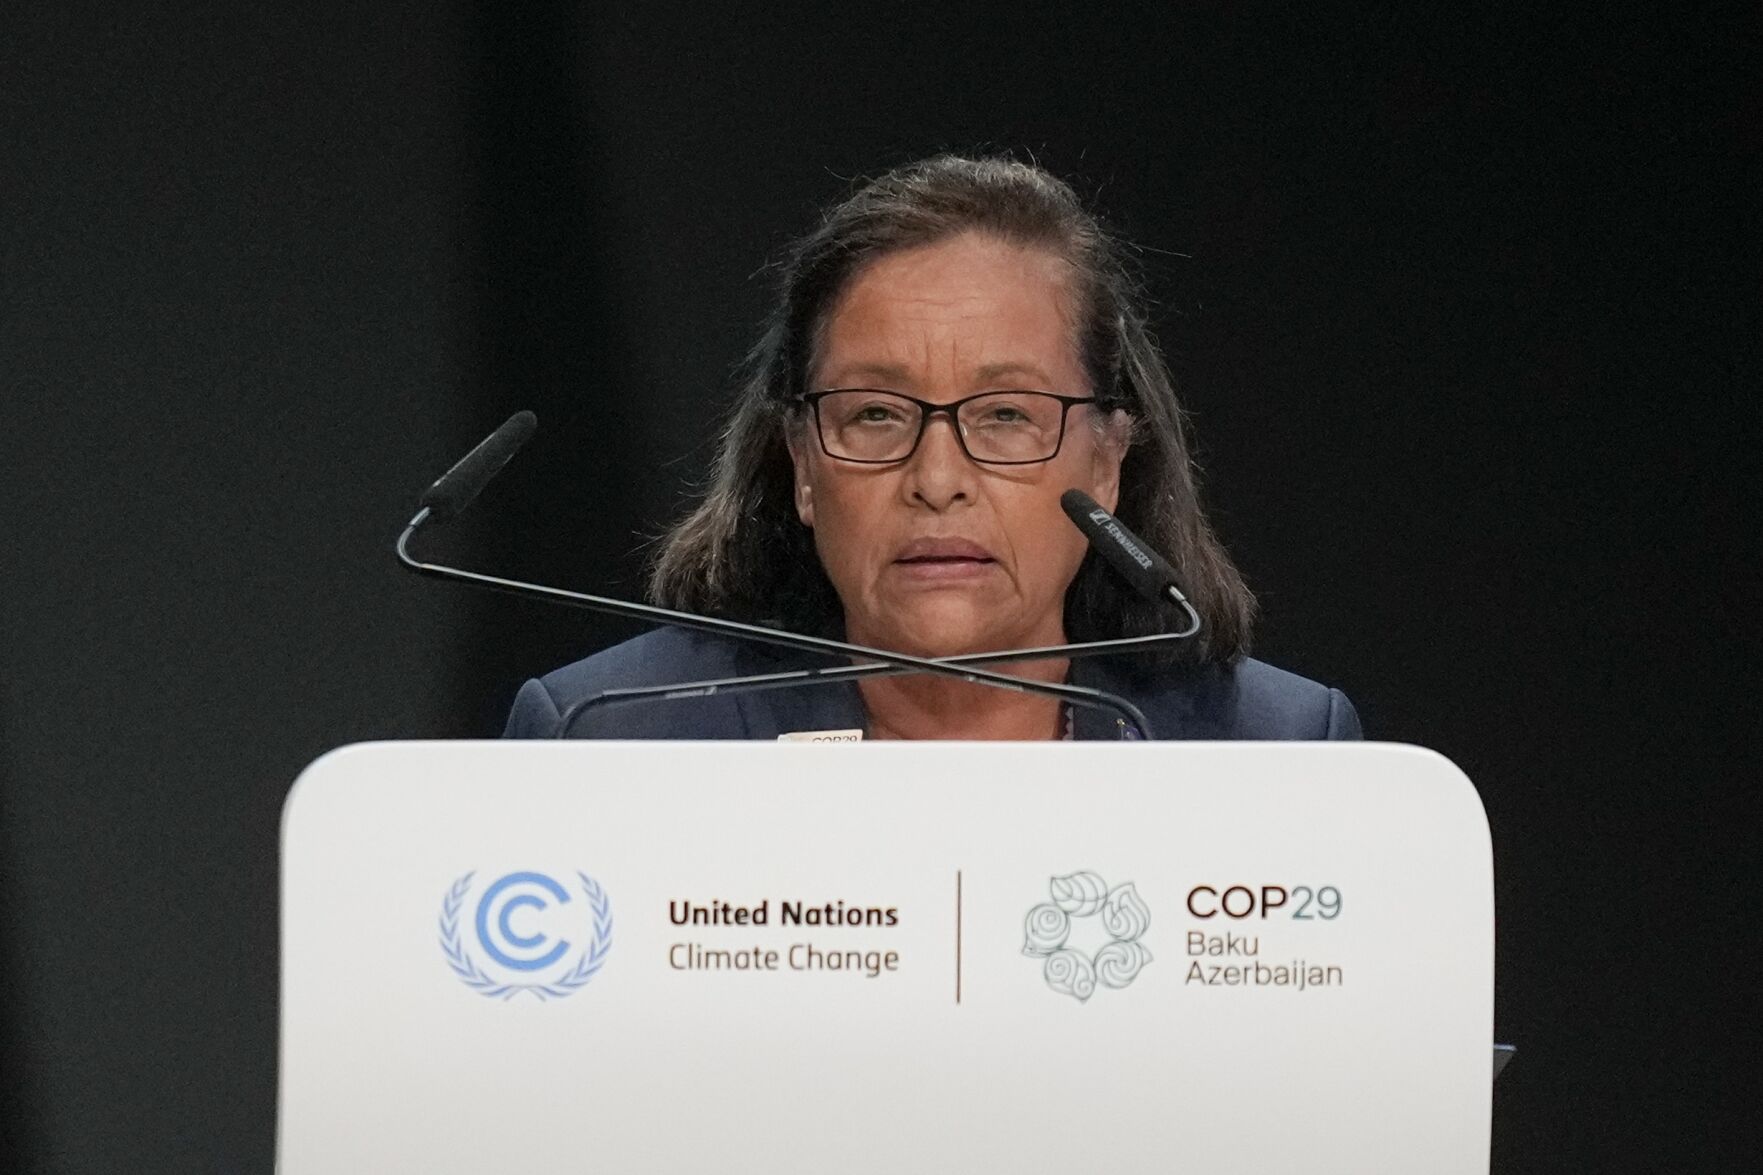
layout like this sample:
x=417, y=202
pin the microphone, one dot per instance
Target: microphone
x=1111, y=541
x=456, y=489
x=459, y=487
x=1147, y=571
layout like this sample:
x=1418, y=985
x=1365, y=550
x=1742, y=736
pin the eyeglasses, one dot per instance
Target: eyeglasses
x=874, y=427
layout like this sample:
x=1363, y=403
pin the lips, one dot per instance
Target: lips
x=922, y=551
x=943, y=563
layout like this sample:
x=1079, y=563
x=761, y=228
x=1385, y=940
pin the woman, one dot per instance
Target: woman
x=956, y=345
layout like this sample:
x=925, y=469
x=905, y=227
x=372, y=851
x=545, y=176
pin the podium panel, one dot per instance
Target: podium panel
x=885, y=957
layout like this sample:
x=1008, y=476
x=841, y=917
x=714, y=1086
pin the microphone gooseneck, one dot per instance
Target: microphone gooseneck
x=1150, y=575
x=829, y=675
x=461, y=484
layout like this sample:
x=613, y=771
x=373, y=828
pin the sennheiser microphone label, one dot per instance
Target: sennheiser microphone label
x=1106, y=521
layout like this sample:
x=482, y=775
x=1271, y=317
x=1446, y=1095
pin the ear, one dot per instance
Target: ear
x=1105, y=465
x=804, y=489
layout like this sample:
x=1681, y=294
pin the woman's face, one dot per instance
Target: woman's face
x=937, y=555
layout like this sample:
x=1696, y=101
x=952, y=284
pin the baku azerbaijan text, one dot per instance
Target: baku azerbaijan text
x=1299, y=974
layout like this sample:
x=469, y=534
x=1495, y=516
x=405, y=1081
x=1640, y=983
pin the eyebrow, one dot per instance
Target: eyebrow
x=896, y=373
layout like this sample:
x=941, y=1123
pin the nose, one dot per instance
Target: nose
x=940, y=475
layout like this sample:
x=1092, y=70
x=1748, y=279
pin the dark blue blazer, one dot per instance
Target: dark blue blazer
x=1247, y=700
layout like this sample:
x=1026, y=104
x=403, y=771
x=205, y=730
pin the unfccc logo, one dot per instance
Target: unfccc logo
x=525, y=933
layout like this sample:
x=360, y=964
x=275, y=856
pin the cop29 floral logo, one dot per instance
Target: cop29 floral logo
x=526, y=933
x=1082, y=907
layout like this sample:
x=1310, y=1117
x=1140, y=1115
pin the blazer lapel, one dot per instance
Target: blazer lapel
x=1170, y=711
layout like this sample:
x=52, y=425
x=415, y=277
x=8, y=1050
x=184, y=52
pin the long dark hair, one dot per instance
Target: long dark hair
x=743, y=553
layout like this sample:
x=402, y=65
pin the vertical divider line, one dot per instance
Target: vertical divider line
x=957, y=936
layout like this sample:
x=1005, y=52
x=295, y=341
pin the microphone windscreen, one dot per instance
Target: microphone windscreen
x=457, y=488
x=1148, y=572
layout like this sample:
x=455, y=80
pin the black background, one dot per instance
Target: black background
x=1463, y=305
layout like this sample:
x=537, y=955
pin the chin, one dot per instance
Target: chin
x=947, y=630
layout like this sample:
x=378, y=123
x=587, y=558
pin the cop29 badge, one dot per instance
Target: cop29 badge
x=526, y=932
x=1055, y=931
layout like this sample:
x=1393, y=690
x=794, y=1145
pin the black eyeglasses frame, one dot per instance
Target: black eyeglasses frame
x=926, y=410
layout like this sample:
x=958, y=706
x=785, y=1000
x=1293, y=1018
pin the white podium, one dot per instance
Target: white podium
x=913, y=957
